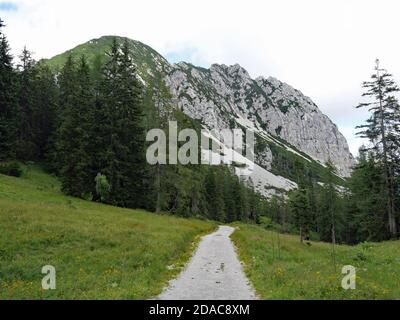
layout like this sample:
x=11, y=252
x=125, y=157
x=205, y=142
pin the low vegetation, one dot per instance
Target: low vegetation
x=280, y=267
x=99, y=251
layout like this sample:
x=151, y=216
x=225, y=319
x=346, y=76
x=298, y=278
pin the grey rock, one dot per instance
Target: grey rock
x=226, y=96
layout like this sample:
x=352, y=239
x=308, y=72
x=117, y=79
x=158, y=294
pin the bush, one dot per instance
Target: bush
x=103, y=187
x=12, y=169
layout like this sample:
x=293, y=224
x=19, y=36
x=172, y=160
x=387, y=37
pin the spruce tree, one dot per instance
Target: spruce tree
x=300, y=209
x=26, y=148
x=365, y=215
x=8, y=105
x=158, y=111
x=121, y=129
x=214, y=196
x=380, y=129
x=329, y=220
x=45, y=107
x=229, y=197
x=75, y=134
x=330, y=210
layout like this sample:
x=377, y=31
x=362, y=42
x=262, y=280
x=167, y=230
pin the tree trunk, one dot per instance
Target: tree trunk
x=333, y=247
x=158, y=184
x=301, y=235
x=389, y=187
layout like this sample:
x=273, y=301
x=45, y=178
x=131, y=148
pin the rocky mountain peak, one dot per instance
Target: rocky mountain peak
x=223, y=95
x=290, y=126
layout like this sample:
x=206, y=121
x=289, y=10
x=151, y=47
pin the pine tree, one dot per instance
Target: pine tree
x=45, y=106
x=120, y=129
x=229, y=194
x=37, y=103
x=156, y=101
x=330, y=210
x=329, y=207
x=300, y=209
x=380, y=129
x=8, y=105
x=239, y=199
x=365, y=215
x=26, y=148
x=75, y=134
x=255, y=205
x=214, y=196
x=312, y=201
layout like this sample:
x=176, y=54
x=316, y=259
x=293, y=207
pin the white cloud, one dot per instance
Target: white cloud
x=323, y=48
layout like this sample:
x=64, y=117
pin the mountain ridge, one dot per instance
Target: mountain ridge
x=289, y=124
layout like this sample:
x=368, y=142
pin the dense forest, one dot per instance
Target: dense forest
x=87, y=125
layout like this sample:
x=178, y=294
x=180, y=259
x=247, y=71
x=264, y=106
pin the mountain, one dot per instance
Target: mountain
x=222, y=94
x=294, y=138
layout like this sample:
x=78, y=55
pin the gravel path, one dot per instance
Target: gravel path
x=213, y=273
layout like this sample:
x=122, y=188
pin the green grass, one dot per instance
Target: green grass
x=104, y=252
x=148, y=61
x=99, y=251
x=306, y=272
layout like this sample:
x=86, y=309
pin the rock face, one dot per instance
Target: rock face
x=225, y=96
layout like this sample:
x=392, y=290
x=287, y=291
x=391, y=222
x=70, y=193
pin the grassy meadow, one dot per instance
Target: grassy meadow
x=293, y=270
x=99, y=251
x=104, y=252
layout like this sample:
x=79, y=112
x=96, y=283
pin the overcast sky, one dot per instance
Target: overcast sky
x=323, y=48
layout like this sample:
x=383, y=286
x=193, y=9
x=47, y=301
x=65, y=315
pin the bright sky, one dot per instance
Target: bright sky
x=323, y=48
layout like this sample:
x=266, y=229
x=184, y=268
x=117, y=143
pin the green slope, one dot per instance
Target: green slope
x=299, y=271
x=99, y=251
x=150, y=64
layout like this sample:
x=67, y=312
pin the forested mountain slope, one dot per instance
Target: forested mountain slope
x=294, y=138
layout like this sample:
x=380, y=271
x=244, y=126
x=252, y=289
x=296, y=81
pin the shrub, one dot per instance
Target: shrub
x=103, y=187
x=12, y=169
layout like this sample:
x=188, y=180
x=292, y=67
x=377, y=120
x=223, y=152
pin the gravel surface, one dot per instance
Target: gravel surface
x=213, y=273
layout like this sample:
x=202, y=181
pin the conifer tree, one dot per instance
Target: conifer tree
x=300, y=209
x=367, y=202
x=75, y=134
x=156, y=101
x=380, y=129
x=120, y=129
x=8, y=106
x=229, y=200
x=44, y=112
x=329, y=207
x=26, y=149
x=214, y=196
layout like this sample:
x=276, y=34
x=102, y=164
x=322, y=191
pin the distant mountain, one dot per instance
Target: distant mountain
x=294, y=137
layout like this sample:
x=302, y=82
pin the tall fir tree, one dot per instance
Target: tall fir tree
x=365, y=215
x=121, y=129
x=8, y=103
x=380, y=129
x=26, y=148
x=214, y=195
x=74, y=145
x=46, y=100
x=329, y=218
x=299, y=206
